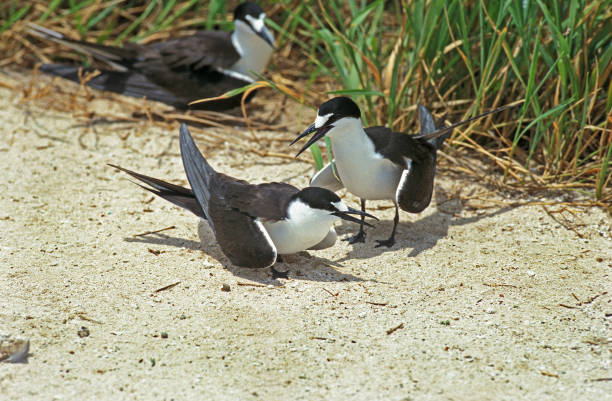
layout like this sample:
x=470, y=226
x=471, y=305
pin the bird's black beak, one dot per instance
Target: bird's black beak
x=347, y=216
x=266, y=35
x=321, y=131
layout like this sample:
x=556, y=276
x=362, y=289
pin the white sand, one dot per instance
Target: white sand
x=478, y=291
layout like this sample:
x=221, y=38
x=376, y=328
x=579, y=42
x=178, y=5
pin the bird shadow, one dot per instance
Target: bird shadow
x=422, y=234
x=300, y=266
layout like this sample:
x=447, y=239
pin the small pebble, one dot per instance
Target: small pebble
x=226, y=287
x=530, y=273
x=490, y=311
x=164, y=334
x=83, y=332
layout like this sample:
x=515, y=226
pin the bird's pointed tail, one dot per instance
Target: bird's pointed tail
x=444, y=132
x=182, y=197
x=116, y=57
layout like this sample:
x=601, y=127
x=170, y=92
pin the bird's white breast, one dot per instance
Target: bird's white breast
x=255, y=52
x=363, y=172
x=303, y=229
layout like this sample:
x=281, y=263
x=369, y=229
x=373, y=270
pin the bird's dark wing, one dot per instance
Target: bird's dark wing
x=264, y=201
x=415, y=189
x=126, y=83
x=174, y=72
x=397, y=146
x=428, y=125
x=200, y=50
x=380, y=137
x=416, y=157
x=242, y=238
x=182, y=197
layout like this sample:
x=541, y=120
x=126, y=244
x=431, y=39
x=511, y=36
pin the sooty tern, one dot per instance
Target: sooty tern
x=253, y=224
x=376, y=162
x=178, y=71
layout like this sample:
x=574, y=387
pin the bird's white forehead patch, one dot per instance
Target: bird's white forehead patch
x=257, y=23
x=321, y=120
x=340, y=206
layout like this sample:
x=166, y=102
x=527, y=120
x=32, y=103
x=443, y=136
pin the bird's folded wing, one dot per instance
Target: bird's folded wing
x=327, y=178
x=202, y=49
x=267, y=201
x=417, y=158
x=414, y=191
x=242, y=237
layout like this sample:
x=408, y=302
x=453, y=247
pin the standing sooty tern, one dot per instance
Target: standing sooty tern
x=178, y=71
x=253, y=224
x=376, y=162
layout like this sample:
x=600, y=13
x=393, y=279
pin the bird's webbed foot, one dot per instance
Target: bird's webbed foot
x=389, y=242
x=359, y=237
x=278, y=274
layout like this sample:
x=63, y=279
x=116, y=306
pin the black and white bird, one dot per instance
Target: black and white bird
x=377, y=163
x=178, y=71
x=253, y=224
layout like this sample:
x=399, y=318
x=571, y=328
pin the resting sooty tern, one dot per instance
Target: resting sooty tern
x=253, y=224
x=178, y=71
x=376, y=162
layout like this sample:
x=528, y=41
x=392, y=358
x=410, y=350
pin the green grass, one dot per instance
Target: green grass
x=458, y=57
x=556, y=55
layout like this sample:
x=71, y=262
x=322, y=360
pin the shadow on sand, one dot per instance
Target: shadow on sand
x=301, y=266
x=421, y=235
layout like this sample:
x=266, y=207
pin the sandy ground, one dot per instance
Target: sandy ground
x=471, y=303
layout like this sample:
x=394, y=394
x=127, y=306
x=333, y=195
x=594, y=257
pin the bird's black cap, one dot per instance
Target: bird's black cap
x=324, y=199
x=245, y=9
x=341, y=106
x=334, y=110
x=318, y=198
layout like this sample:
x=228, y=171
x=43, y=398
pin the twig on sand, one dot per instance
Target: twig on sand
x=377, y=303
x=169, y=286
x=394, y=329
x=580, y=303
x=588, y=301
x=545, y=373
x=330, y=293
x=499, y=285
x=82, y=316
x=321, y=338
x=154, y=232
x=567, y=225
x=243, y=284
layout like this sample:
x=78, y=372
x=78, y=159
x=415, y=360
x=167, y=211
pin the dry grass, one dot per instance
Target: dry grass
x=560, y=139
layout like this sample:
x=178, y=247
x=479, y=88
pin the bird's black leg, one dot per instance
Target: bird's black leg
x=277, y=274
x=391, y=240
x=360, y=236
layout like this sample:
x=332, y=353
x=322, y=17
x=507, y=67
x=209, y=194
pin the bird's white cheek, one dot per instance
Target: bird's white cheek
x=256, y=23
x=340, y=206
x=321, y=120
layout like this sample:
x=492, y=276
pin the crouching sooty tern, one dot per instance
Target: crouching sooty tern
x=178, y=71
x=376, y=162
x=253, y=224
